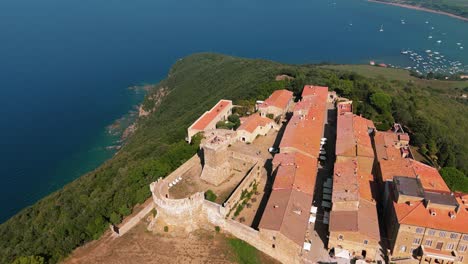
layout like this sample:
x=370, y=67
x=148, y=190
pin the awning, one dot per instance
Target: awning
x=342, y=253
x=307, y=246
x=327, y=197
x=312, y=219
x=313, y=210
x=326, y=204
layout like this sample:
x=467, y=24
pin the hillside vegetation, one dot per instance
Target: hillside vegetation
x=83, y=209
x=456, y=7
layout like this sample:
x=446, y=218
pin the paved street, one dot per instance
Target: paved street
x=318, y=232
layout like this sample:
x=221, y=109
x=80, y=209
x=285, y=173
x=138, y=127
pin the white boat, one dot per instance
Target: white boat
x=439, y=41
x=428, y=51
x=381, y=28
x=458, y=43
x=429, y=37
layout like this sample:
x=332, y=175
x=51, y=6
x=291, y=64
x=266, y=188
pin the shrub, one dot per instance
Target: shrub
x=166, y=229
x=217, y=229
x=210, y=196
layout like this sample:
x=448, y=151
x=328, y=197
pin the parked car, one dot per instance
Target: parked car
x=323, y=152
x=322, y=158
x=323, y=139
x=273, y=150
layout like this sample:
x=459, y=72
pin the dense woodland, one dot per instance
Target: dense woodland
x=456, y=7
x=83, y=209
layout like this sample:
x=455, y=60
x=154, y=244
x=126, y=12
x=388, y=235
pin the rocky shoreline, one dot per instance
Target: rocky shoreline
x=421, y=9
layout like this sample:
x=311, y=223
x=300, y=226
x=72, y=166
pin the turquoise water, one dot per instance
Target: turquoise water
x=65, y=65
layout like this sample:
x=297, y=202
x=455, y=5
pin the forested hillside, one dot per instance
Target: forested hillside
x=83, y=209
x=456, y=7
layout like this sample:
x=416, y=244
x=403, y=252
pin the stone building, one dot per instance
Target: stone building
x=285, y=221
x=429, y=225
x=253, y=126
x=354, y=223
x=216, y=156
x=208, y=120
x=424, y=219
x=277, y=104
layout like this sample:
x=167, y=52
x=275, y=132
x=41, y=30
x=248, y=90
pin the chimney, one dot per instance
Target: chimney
x=433, y=212
x=452, y=215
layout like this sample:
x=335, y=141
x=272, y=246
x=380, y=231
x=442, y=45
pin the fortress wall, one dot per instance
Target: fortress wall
x=135, y=220
x=246, y=184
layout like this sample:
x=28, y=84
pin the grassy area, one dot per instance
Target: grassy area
x=244, y=253
x=393, y=74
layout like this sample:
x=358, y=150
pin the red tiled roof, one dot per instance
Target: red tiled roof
x=287, y=211
x=416, y=214
x=295, y=171
x=208, y=117
x=393, y=164
x=352, y=136
x=312, y=90
x=250, y=123
x=279, y=98
x=345, y=181
x=304, y=131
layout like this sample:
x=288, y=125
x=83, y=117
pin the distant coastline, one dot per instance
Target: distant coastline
x=421, y=9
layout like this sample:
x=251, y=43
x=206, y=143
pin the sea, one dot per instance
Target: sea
x=66, y=66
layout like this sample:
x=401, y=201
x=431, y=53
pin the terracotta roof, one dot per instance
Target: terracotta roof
x=416, y=214
x=352, y=136
x=250, y=123
x=429, y=176
x=295, y=171
x=344, y=107
x=279, y=98
x=312, y=90
x=209, y=116
x=287, y=212
x=364, y=221
x=345, y=181
x=393, y=164
x=304, y=130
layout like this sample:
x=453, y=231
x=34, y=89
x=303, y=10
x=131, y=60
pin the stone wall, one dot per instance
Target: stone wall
x=247, y=184
x=195, y=212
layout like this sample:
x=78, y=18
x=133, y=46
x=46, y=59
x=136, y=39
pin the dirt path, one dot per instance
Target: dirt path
x=142, y=246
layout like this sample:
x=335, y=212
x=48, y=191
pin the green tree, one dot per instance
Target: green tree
x=382, y=101
x=455, y=179
x=29, y=260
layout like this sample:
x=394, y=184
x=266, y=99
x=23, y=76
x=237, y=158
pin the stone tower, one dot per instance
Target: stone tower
x=217, y=168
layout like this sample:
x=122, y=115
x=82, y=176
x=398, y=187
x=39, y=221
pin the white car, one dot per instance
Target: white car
x=323, y=139
x=322, y=158
x=323, y=152
x=273, y=150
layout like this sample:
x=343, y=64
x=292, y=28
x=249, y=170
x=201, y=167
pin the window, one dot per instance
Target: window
x=453, y=236
x=442, y=234
x=431, y=232
x=274, y=238
x=465, y=237
x=419, y=230
x=403, y=249
x=428, y=243
x=460, y=258
x=340, y=237
x=450, y=246
x=417, y=240
x=462, y=248
x=366, y=242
